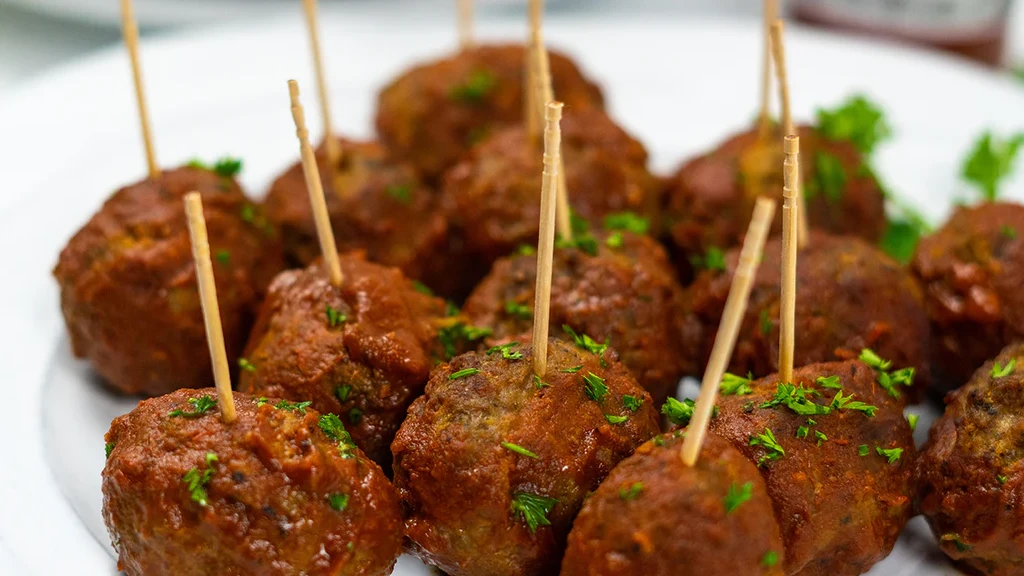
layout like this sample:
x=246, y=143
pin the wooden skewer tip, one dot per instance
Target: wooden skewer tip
x=546, y=237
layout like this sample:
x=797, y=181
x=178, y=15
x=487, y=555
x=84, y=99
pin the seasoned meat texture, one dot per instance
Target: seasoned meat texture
x=493, y=464
x=709, y=201
x=128, y=288
x=496, y=190
x=623, y=294
x=186, y=495
x=376, y=205
x=654, y=515
x=363, y=351
x=850, y=296
x=434, y=112
x=971, y=471
x=842, y=481
x=972, y=270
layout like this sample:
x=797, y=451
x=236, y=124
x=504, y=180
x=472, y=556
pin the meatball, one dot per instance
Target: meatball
x=972, y=270
x=381, y=208
x=128, y=287
x=616, y=288
x=850, y=296
x=654, y=514
x=496, y=190
x=492, y=463
x=838, y=458
x=434, y=112
x=710, y=200
x=362, y=351
x=276, y=492
x=970, y=472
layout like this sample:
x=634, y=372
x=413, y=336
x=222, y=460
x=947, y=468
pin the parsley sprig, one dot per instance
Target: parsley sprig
x=680, y=413
x=737, y=495
x=199, y=407
x=594, y=387
x=226, y=167
x=196, y=481
x=586, y=342
x=533, y=509
x=773, y=450
x=1003, y=371
x=990, y=162
x=733, y=385
x=333, y=428
x=858, y=121
x=796, y=399
x=506, y=351
x=887, y=380
x=459, y=333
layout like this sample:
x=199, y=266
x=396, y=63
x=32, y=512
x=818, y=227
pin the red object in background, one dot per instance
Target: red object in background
x=972, y=28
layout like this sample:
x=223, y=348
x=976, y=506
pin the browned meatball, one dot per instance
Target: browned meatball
x=128, y=286
x=496, y=190
x=709, y=201
x=971, y=471
x=363, y=351
x=849, y=296
x=973, y=270
x=493, y=464
x=654, y=515
x=279, y=491
x=434, y=112
x=619, y=291
x=839, y=469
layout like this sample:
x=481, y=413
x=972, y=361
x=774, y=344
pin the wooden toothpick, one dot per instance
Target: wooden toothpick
x=130, y=29
x=211, y=310
x=790, y=216
x=769, y=15
x=316, y=190
x=331, y=145
x=533, y=110
x=779, y=54
x=466, y=24
x=546, y=93
x=728, y=328
x=546, y=240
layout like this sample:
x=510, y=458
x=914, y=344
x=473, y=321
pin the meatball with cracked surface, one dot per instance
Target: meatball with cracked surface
x=970, y=472
x=496, y=189
x=279, y=491
x=654, y=514
x=436, y=111
x=837, y=456
x=617, y=288
x=972, y=270
x=849, y=296
x=493, y=464
x=710, y=200
x=363, y=351
x=128, y=284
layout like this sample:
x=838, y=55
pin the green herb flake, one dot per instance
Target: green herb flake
x=733, y=385
x=632, y=492
x=893, y=454
x=840, y=402
x=820, y=437
x=199, y=407
x=244, y=364
x=299, y=407
x=629, y=221
x=955, y=539
x=228, y=167
x=829, y=382
x=1004, y=371
x=796, y=399
x=261, y=401
x=333, y=428
x=506, y=351
x=1001, y=479
x=900, y=239
x=737, y=496
x=223, y=257
x=858, y=121
x=990, y=161
x=422, y=288
x=526, y=250
x=613, y=419
x=802, y=432
x=770, y=558
x=572, y=370
x=1007, y=231
x=632, y=403
x=452, y=336
x=108, y=448
x=533, y=509
x=912, y=420
x=335, y=317
x=475, y=89
x=519, y=450
x=765, y=323
x=538, y=383
x=463, y=373
x=713, y=259
x=863, y=450
x=595, y=387
x=829, y=177
x=773, y=450
x=586, y=342
x=342, y=393
x=197, y=481
x=517, y=310
x=614, y=240
x=355, y=415
x=400, y=192
x=338, y=501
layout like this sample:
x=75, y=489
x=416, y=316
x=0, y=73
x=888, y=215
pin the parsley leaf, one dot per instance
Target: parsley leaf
x=632, y=403
x=765, y=323
x=400, y=192
x=770, y=558
x=863, y=450
x=613, y=419
x=342, y=392
x=713, y=259
x=614, y=240
x=632, y=492
x=802, y=432
x=595, y=387
x=839, y=402
x=893, y=454
x=335, y=318
x=912, y=421
x=299, y=407
x=475, y=88
x=521, y=311
x=679, y=413
x=629, y=221
x=456, y=334
x=422, y=288
x=1003, y=371
x=355, y=415
x=586, y=342
x=795, y=398
x=519, y=450
x=737, y=495
x=858, y=121
x=223, y=257
x=829, y=177
x=199, y=407
x=572, y=370
x=538, y=383
x=108, y=448
x=533, y=509
x=829, y=382
x=244, y=364
x=990, y=161
x=820, y=436
x=338, y=501
x=1007, y=231
x=197, y=481
x=463, y=373
x=869, y=357
x=773, y=450
x=332, y=427
x=733, y=385
x=226, y=167
x=506, y=351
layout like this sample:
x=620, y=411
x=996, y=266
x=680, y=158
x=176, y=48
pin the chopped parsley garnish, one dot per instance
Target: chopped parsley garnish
x=869, y=357
x=632, y=403
x=586, y=342
x=820, y=436
x=737, y=495
x=863, y=450
x=538, y=383
x=261, y=401
x=526, y=250
x=422, y=288
x=251, y=216
x=452, y=336
x=244, y=364
x=713, y=259
x=990, y=161
x=829, y=382
x=627, y=221
x=108, y=448
x=506, y=351
x=595, y=387
x=299, y=407
x=858, y=121
x=829, y=177
x=475, y=88
x=223, y=257
x=584, y=242
x=521, y=311
x=912, y=420
x=342, y=392
x=900, y=239
x=632, y=492
x=1001, y=479
x=335, y=318
x=770, y=558
x=802, y=432
x=355, y=415
x=765, y=323
x=338, y=501
x=463, y=373
x=199, y=407
x=226, y=167
x=1007, y=231
x=332, y=427
x=613, y=419
x=519, y=450
x=888, y=381
x=961, y=546
x=197, y=481
x=614, y=240
x=533, y=509
x=572, y=370
x=400, y=192
x=893, y=454
x=733, y=385
x=839, y=402
x=1003, y=371
x=795, y=398
x=773, y=450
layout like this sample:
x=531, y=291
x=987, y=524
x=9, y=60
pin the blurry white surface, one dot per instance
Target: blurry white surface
x=70, y=137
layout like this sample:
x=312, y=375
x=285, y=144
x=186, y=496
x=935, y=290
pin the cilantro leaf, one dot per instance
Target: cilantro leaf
x=332, y=427
x=829, y=177
x=613, y=419
x=299, y=407
x=335, y=317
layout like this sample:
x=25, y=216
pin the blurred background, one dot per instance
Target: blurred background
x=36, y=35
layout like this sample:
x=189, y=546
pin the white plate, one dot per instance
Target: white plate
x=71, y=137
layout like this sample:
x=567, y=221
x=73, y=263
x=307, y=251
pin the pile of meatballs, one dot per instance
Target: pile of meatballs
x=399, y=411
